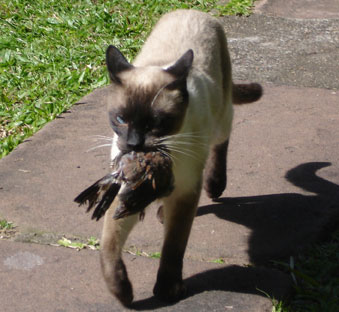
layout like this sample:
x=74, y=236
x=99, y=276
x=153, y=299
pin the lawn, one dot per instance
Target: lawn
x=315, y=277
x=52, y=52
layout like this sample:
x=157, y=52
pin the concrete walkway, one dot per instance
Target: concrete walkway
x=283, y=183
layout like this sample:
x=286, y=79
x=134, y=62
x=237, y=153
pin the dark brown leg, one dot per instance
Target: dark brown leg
x=178, y=216
x=215, y=172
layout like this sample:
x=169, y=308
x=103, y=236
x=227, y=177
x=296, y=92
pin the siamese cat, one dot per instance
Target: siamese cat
x=177, y=98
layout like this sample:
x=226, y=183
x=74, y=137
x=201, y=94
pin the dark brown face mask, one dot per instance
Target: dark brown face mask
x=140, y=112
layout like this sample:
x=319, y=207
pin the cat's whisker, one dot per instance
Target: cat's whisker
x=187, y=143
x=193, y=154
x=190, y=135
x=183, y=139
x=186, y=150
x=101, y=140
x=98, y=146
x=183, y=142
x=186, y=153
x=166, y=153
x=162, y=149
x=159, y=145
x=181, y=147
x=184, y=134
x=173, y=158
x=101, y=137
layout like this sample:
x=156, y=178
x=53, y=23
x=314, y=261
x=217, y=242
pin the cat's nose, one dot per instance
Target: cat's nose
x=135, y=140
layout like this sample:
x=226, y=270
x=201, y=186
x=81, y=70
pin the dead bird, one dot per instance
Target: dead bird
x=138, y=177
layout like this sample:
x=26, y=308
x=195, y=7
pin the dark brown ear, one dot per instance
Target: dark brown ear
x=116, y=63
x=182, y=66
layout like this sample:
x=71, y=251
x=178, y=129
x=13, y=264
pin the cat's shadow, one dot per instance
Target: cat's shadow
x=281, y=225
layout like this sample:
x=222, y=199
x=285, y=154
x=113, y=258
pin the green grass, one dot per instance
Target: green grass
x=92, y=243
x=316, y=276
x=5, y=225
x=155, y=255
x=133, y=250
x=219, y=261
x=7, y=229
x=52, y=52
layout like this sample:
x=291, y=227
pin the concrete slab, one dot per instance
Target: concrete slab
x=283, y=51
x=306, y=9
x=41, y=278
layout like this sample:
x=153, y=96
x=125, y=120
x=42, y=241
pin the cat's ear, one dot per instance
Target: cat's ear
x=116, y=63
x=182, y=66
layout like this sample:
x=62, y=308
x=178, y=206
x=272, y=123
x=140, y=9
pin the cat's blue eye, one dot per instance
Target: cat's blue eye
x=120, y=120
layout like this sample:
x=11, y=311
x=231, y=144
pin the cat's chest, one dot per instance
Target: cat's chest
x=115, y=151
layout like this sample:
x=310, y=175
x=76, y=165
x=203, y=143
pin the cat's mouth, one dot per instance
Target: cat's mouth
x=142, y=148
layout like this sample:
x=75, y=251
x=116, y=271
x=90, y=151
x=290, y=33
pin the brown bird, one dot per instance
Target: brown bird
x=138, y=177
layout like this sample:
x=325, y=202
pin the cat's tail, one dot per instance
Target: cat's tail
x=244, y=93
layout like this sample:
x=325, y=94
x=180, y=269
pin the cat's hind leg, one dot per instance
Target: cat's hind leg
x=215, y=171
x=114, y=235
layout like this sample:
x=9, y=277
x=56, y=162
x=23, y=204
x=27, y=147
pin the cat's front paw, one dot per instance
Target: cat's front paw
x=170, y=291
x=117, y=280
x=123, y=291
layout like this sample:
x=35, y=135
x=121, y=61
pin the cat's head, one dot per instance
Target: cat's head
x=146, y=103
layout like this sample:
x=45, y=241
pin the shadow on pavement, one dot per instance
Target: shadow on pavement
x=281, y=224
x=233, y=278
